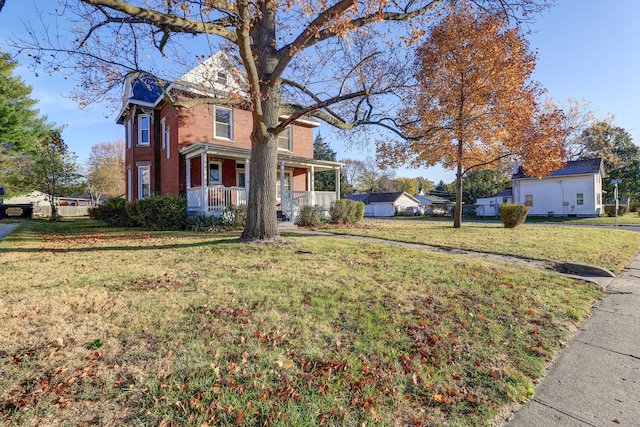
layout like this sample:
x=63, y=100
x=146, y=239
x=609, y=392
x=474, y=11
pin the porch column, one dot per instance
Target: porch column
x=281, y=183
x=247, y=179
x=188, y=171
x=312, y=185
x=338, y=184
x=203, y=187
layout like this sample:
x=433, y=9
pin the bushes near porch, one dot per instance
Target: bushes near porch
x=152, y=213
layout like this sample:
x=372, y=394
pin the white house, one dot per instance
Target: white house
x=574, y=190
x=385, y=204
x=490, y=206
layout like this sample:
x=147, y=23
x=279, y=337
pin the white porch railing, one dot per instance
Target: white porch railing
x=216, y=199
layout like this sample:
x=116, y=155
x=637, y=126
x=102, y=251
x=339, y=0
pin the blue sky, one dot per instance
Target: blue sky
x=587, y=49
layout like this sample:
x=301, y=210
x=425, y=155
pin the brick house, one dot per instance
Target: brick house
x=203, y=152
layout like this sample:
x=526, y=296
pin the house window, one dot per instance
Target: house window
x=223, y=124
x=166, y=137
x=241, y=180
x=580, y=199
x=221, y=78
x=598, y=200
x=144, y=129
x=215, y=173
x=163, y=128
x=128, y=126
x=144, y=181
x=528, y=200
x=129, y=190
x=284, y=139
x=287, y=183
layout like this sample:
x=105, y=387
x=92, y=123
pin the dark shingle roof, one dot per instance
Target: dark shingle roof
x=146, y=88
x=377, y=197
x=507, y=192
x=576, y=167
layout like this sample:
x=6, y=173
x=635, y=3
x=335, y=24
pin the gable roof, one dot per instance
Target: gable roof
x=429, y=200
x=575, y=167
x=380, y=197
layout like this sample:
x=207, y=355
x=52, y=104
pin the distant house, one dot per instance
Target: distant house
x=385, y=204
x=490, y=206
x=434, y=205
x=574, y=190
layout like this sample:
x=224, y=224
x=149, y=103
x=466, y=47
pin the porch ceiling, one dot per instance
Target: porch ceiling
x=197, y=149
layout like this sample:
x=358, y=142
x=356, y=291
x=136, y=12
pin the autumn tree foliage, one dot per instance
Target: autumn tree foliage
x=475, y=104
x=106, y=169
x=335, y=60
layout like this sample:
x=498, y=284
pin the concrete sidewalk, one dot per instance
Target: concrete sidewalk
x=595, y=381
x=5, y=229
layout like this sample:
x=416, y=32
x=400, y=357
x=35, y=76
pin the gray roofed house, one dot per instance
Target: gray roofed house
x=385, y=204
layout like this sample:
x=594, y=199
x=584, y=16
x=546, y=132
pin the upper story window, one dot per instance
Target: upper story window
x=222, y=78
x=129, y=125
x=223, y=123
x=144, y=129
x=166, y=137
x=284, y=139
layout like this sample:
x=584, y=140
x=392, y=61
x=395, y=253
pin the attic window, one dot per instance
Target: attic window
x=222, y=78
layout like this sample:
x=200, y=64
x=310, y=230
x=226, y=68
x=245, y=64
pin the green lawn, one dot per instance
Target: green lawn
x=126, y=327
x=601, y=246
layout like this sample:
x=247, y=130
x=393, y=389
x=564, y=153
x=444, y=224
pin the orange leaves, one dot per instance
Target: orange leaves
x=475, y=103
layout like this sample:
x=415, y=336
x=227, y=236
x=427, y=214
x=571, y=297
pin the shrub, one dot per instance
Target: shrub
x=634, y=206
x=161, y=213
x=232, y=218
x=346, y=211
x=610, y=210
x=114, y=213
x=308, y=217
x=513, y=214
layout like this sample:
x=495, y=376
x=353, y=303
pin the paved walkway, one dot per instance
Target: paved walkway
x=595, y=381
x=5, y=229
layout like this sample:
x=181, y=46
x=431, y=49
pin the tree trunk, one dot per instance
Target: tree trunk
x=262, y=222
x=457, y=213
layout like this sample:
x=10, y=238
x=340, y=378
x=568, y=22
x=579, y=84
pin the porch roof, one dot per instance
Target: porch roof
x=198, y=148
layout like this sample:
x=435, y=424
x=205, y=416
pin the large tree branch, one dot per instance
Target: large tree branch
x=167, y=21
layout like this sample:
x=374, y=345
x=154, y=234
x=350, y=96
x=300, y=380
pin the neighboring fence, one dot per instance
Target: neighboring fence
x=45, y=211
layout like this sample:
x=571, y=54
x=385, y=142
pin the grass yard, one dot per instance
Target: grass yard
x=124, y=327
x=604, y=247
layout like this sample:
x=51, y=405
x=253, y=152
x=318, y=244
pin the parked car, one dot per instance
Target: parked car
x=413, y=211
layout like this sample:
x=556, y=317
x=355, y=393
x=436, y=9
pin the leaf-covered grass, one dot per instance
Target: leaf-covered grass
x=600, y=246
x=117, y=327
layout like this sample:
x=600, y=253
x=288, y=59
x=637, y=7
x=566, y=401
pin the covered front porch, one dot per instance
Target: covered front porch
x=218, y=177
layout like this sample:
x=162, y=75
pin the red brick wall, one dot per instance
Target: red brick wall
x=172, y=183
x=299, y=179
x=139, y=154
x=303, y=141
